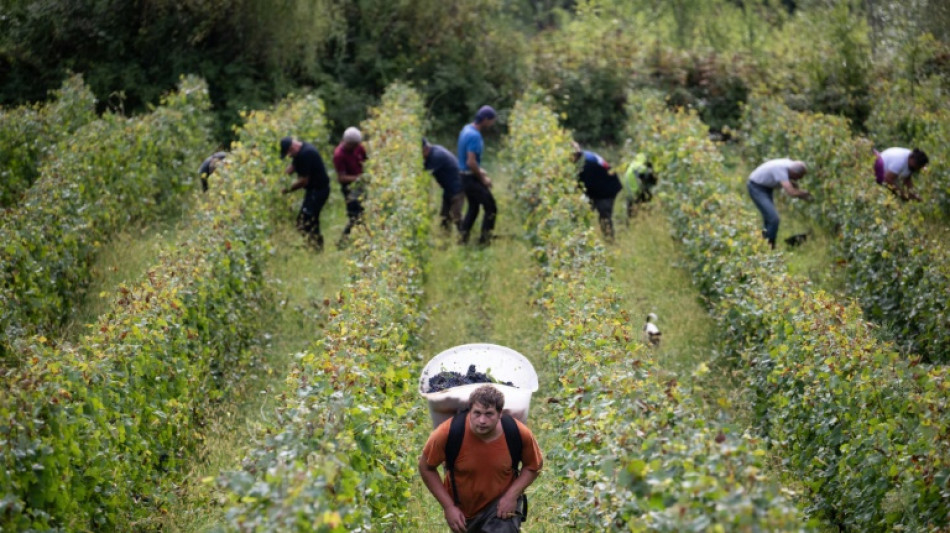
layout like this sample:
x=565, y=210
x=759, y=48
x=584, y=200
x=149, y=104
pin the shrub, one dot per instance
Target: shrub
x=109, y=173
x=337, y=456
x=864, y=429
x=29, y=133
x=893, y=266
x=97, y=432
x=637, y=454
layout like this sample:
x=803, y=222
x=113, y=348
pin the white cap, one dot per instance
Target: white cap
x=352, y=135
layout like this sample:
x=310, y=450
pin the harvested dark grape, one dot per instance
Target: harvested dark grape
x=447, y=380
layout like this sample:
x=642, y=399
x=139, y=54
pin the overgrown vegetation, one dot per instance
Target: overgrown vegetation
x=824, y=56
x=862, y=427
x=94, y=432
x=636, y=454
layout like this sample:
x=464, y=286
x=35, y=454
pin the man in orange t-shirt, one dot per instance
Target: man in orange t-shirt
x=489, y=493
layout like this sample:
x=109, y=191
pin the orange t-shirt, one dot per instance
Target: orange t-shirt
x=483, y=469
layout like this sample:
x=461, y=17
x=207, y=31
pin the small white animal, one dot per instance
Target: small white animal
x=651, y=333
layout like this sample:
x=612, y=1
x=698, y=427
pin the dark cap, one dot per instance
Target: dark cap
x=425, y=142
x=486, y=112
x=285, y=146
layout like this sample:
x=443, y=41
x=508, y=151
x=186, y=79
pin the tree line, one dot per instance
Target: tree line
x=586, y=53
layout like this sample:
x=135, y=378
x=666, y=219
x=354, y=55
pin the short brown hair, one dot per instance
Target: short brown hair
x=488, y=396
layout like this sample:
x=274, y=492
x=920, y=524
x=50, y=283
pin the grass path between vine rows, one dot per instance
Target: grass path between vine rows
x=476, y=295
x=300, y=281
x=124, y=260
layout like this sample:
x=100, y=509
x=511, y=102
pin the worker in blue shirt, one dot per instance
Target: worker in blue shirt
x=475, y=182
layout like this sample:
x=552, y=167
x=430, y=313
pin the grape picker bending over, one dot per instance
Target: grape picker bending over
x=769, y=176
x=484, y=491
x=600, y=184
x=208, y=166
x=445, y=169
x=312, y=176
x=901, y=164
x=348, y=158
x=640, y=180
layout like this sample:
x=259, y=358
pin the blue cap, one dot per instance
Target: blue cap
x=486, y=112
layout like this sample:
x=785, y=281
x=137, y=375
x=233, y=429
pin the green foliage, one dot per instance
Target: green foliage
x=839, y=68
x=338, y=457
x=894, y=267
x=108, y=173
x=903, y=116
x=29, y=133
x=638, y=454
x=94, y=432
x=862, y=428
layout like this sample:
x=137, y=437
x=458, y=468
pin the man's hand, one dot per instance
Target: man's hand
x=455, y=518
x=507, y=505
x=486, y=180
x=285, y=190
x=805, y=195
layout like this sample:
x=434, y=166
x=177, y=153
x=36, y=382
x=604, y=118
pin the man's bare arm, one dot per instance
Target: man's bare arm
x=344, y=178
x=794, y=191
x=472, y=163
x=430, y=476
x=509, y=500
x=299, y=184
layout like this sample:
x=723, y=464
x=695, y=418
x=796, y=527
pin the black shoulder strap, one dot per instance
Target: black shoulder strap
x=513, y=438
x=515, y=447
x=453, y=445
x=456, y=434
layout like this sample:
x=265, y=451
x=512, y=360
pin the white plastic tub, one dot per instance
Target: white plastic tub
x=500, y=362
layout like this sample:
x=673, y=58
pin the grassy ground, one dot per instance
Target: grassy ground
x=471, y=295
x=484, y=296
x=300, y=280
x=813, y=260
x=125, y=260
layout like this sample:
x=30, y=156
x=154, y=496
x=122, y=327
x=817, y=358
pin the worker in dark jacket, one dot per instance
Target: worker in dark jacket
x=445, y=169
x=600, y=185
x=207, y=167
x=312, y=177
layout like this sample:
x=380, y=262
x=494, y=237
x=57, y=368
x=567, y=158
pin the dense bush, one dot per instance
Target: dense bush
x=110, y=173
x=28, y=133
x=461, y=55
x=637, y=453
x=893, y=266
x=864, y=429
x=340, y=456
x=94, y=434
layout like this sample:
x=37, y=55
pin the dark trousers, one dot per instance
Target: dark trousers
x=352, y=194
x=478, y=195
x=605, y=211
x=451, y=211
x=308, y=220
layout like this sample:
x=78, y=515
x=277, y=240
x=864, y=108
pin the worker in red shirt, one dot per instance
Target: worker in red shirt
x=348, y=159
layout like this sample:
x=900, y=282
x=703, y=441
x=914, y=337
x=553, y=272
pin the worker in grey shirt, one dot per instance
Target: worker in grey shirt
x=445, y=170
x=771, y=175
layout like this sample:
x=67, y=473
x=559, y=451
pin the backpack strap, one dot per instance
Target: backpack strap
x=515, y=447
x=453, y=446
x=513, y=438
